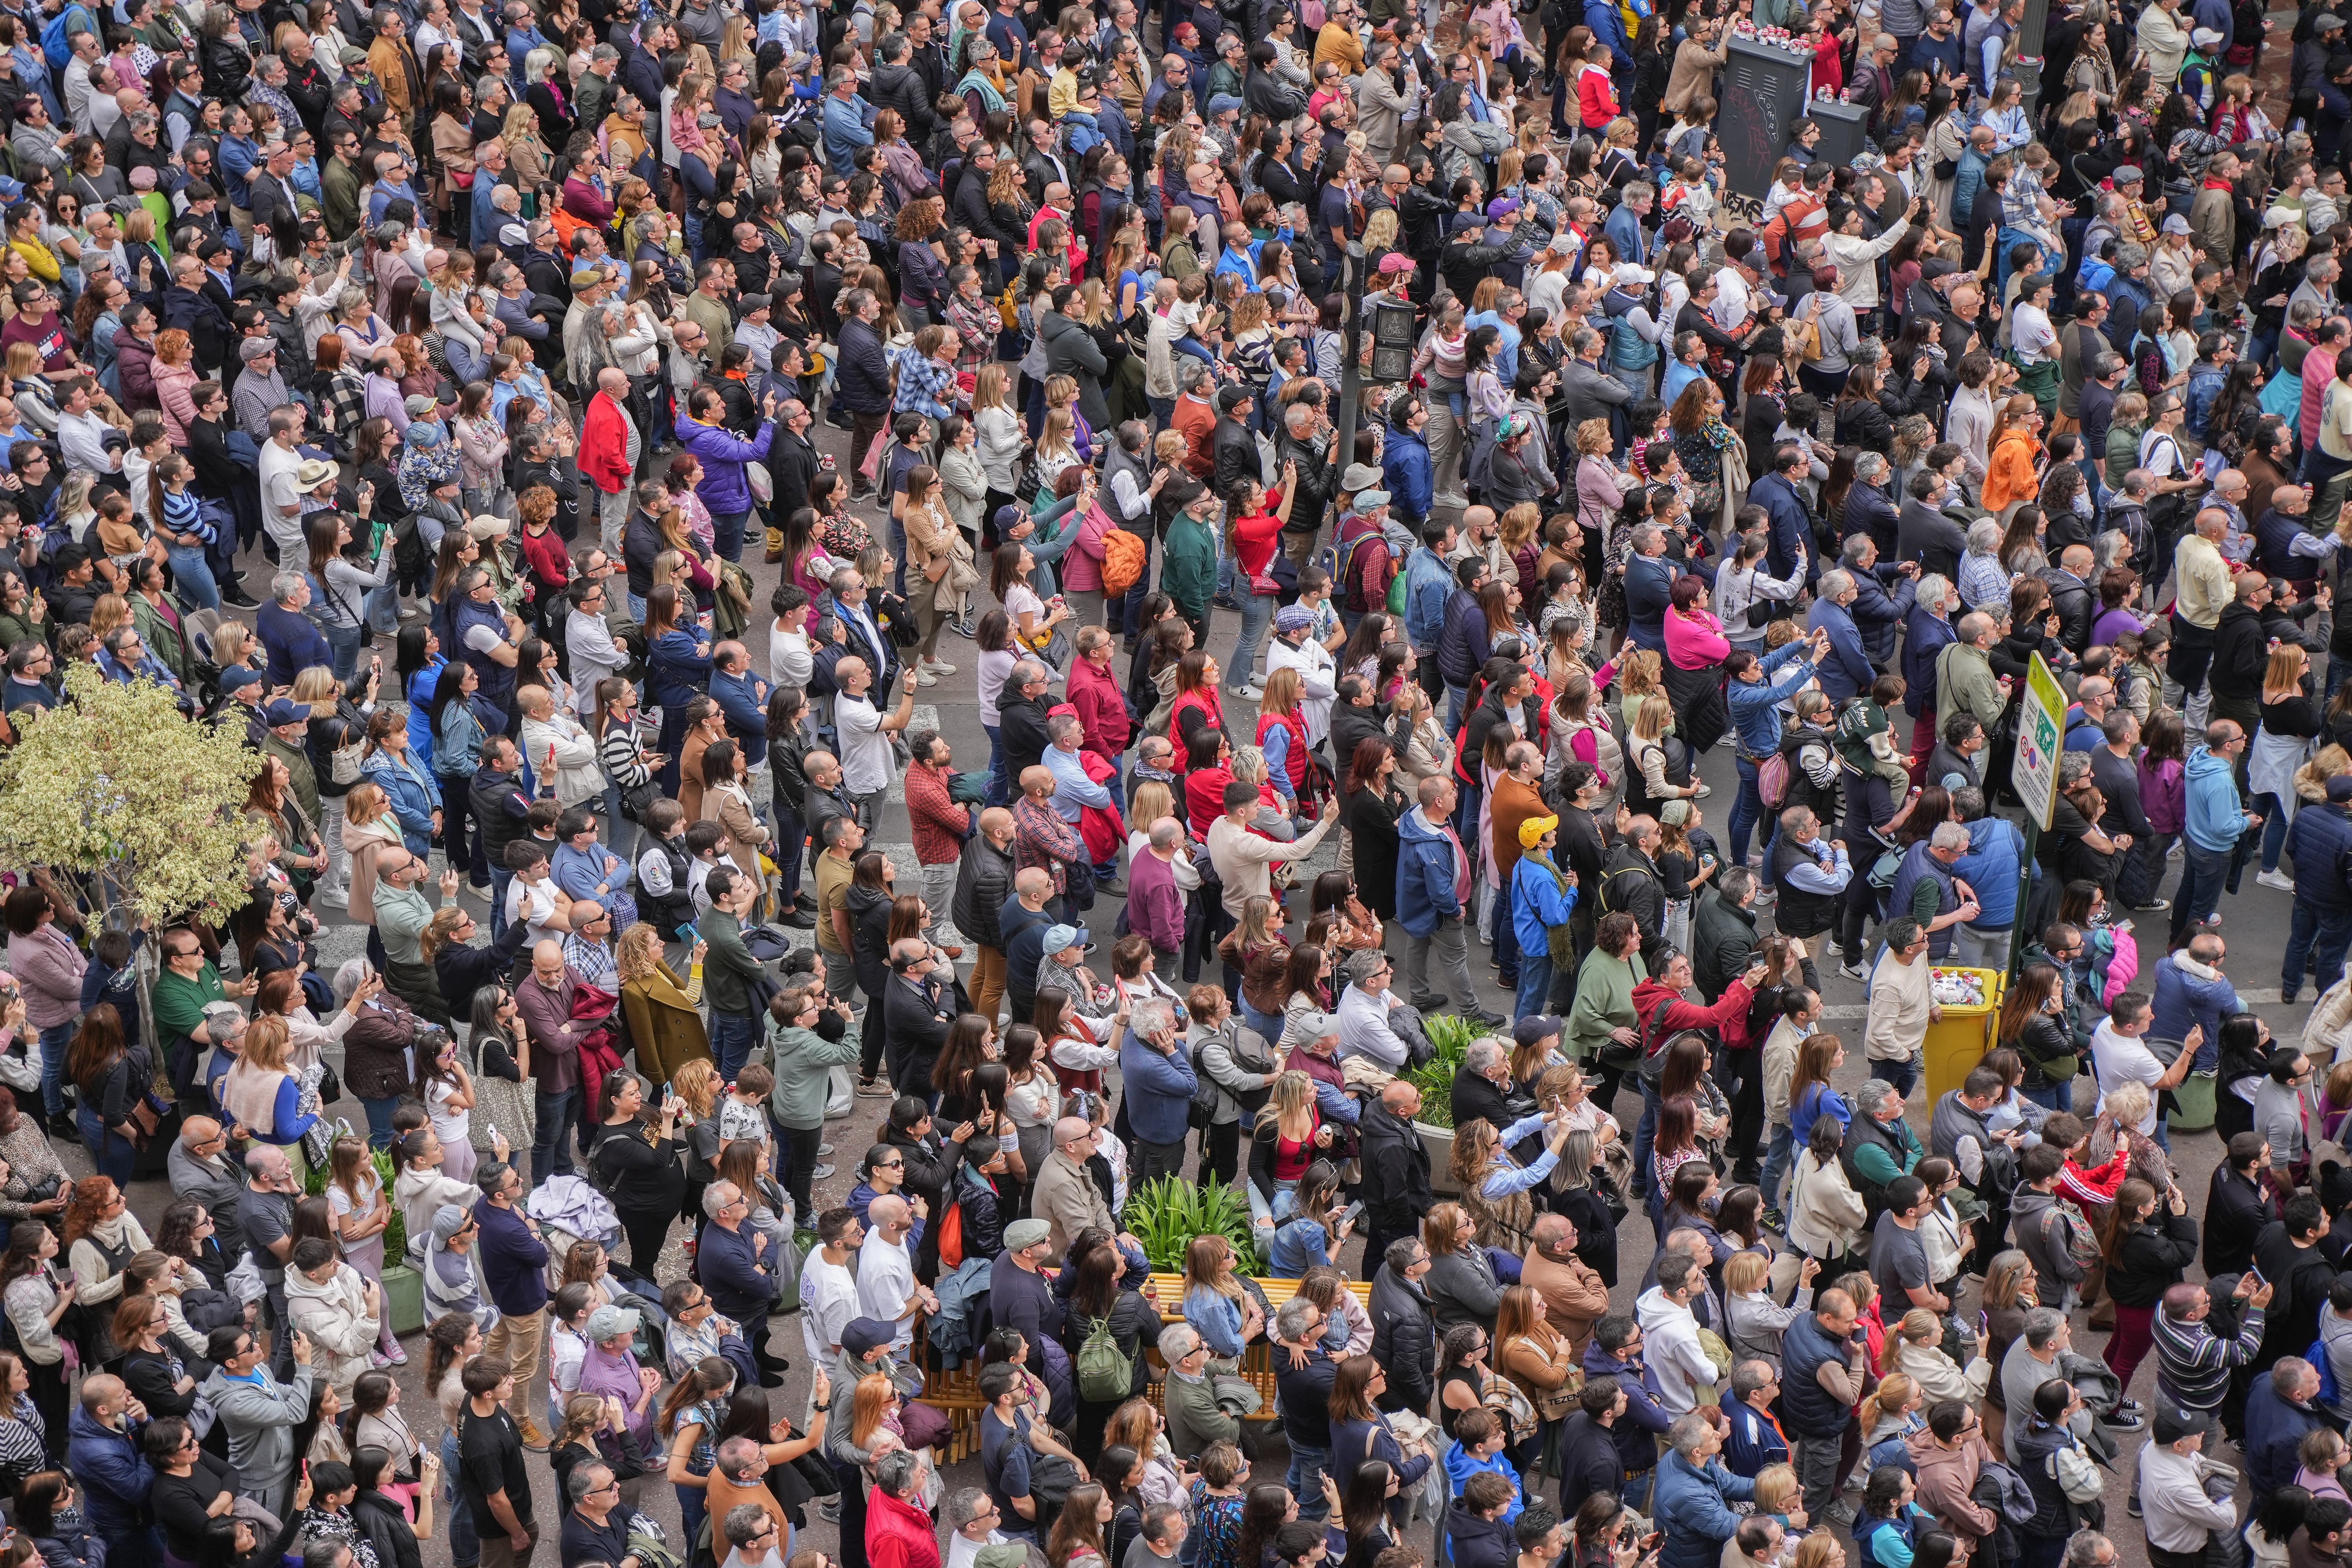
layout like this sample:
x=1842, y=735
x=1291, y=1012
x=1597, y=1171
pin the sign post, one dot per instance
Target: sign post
x=2040, y=740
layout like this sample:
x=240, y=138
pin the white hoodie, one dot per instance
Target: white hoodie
x=335, y=1317
x=1673, y=1351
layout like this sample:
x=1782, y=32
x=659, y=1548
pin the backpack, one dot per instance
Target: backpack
x=1122, y=566
x=1103, y=1371
x=1337, y=562
x=2317, y=1356
x=55, y=44
x=1772, y=781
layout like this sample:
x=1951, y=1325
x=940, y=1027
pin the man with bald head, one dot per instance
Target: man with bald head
x=1022, y=920
x=544, y=999
x=2094, y=700
x=1043, y=842
x=610, y=441
x=200, y=1169
x=2073, y=597
x=104, y=1453
x=886, y=1288
x=2284, y=548
x=1066, y=1195
x=1396, y=1168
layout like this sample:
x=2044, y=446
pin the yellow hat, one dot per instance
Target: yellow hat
x=1532, y=830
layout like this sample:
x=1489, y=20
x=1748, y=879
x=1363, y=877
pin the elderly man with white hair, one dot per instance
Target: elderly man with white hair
x=730, y=1266
x=1160, y=1087
x=1845, y=671
x=1364, y=1008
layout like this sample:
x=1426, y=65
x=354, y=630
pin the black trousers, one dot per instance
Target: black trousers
x=646, y=1231
x=798, y=1175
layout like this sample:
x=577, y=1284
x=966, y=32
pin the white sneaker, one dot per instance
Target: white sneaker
x=938, y=667
x=921, y=677
x=2279, y=880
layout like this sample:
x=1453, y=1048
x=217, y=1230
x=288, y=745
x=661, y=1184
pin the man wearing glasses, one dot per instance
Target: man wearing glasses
x=971, y=1519
x=591, y=1535
x=731, y=1265
x=751, y=1533
x=514, y=1261
x=199, y=1169
x=188, y=985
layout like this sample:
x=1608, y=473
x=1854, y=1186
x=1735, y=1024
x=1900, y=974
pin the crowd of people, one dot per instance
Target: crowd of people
x=402, y=388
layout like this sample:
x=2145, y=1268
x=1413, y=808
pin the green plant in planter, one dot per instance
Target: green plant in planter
x=1451, y=1037
x=1167, y=1214
x=395, y=1234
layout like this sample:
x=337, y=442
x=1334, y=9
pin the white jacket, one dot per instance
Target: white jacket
x=578, y=779
x=1674, y=1353
x=1825, y=1214
x=1318, y=681
x=335, y=1316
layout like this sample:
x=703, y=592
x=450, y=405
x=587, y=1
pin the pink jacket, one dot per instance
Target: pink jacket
x=1695, y=639
x=1102, y=708
x=1082, y=564
x=49, y=967
x=175, y=387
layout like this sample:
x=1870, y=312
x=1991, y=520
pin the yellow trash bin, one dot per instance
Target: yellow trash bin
x=1960, y=1039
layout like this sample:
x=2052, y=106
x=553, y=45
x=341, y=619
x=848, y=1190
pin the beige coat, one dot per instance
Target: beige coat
x=729, y=806
x=1825, y=1214
x=1068, y=1200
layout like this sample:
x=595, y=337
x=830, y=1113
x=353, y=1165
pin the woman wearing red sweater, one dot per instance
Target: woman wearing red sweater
x=1252, y=529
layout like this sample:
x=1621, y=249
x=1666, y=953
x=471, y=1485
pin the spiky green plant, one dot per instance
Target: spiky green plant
x=1165, y=1214
x=1450, y=1037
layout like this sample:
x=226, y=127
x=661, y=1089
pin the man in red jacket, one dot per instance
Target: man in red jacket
x=610, y=444
x=1094, y=692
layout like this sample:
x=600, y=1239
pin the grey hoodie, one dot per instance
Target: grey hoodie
x=2042, y=1237
x=261, y=1414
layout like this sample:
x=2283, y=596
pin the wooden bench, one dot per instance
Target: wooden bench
x=957, y=1393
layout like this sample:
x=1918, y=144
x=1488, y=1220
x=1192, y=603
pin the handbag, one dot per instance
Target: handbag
x=330, y=1085
x=343, y=765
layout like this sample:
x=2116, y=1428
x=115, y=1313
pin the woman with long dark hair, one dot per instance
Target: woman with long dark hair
x=35, y=1304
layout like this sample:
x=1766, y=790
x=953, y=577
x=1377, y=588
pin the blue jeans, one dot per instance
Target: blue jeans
x=727, y=533
x=1257, y=609
x=500, y=879
x=636, y=608
x=56, y=1041
x=344, y=641
x=792, y=852
x=1504, y=939
x=2275, y=825
x=1456, y=699
x=1777, y=1156
x=1305, y=1478
x=1645, y=1136
x=2203, y=874
x=2332, y=927
x=465, y=1546
x=999, y=789
x=1535, y=982
x=379, y=1118
x=731, y=1038
x=193, y=576
x=1904, y=1075
x=109, y=1150
x=551, y=1146
x=1748, y=812
x=2049, y=1096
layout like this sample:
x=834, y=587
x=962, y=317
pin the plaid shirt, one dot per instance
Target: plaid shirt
x=346, y=396
x=1042, y=839
x=925, y=386
x=592, y=960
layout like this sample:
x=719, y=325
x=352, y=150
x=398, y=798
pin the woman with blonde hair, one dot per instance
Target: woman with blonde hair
x=527, y=156
x=1220, y=1309
x=368, y=827
x=262, y=1094
x=1648, y=787
x=2290, y=718
x=1289, y=1136
x=664, y=1012
x=1496, y=1189
x=1753, y=1320
x=1920, y=1355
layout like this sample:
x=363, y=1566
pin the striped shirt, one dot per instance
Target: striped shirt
x=2193, y=1365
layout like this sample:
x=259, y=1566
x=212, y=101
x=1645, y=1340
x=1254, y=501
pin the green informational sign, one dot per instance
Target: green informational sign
x=2041, y=734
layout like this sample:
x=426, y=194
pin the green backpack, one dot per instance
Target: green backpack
x=1106, y=1376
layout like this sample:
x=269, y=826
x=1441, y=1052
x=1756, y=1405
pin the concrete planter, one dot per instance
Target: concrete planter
x=404, y=1298
x=1439, y=1142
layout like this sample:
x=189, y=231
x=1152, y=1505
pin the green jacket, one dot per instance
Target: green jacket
x=1964, y=682
x=163, y=640
x=729, y=969
x=338, y=198
x=1195, y=1420
x=1604, y=1001
x=802, y=1060
x=401, y=916
x=1188, y=569
x=179, y=1003
x=303, y=779
x=2122, y=451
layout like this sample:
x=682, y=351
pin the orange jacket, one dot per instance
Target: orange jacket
x=2009, y=476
